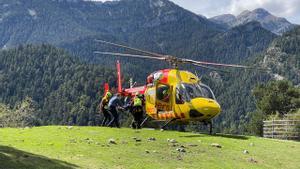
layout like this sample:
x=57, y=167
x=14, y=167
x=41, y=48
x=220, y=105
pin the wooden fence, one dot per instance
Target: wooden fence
x=288, y=129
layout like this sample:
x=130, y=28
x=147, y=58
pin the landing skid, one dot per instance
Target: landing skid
x=144, y=121
x=167, y=123
x=210, y=126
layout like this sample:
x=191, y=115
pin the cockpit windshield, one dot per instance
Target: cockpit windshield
x=187, y=91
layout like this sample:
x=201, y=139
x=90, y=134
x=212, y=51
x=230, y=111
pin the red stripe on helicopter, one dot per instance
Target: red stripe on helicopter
x=165, y=74
x=140, y=89
x=119, y=76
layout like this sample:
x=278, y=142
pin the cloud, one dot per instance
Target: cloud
x=289, y=9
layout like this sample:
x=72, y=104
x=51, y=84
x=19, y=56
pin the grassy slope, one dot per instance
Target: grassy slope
x=86, y=147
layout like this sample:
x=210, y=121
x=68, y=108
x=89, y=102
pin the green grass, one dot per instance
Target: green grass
x=87, y=147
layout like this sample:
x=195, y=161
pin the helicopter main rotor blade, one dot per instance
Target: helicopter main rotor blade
x=221, y=64
x=172, y=59
x=130, y=55
x=130, y=48
x=211, y=68
x=214, y=64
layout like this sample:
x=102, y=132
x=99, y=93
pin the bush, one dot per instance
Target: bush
x=255, y=126
x=24, y=115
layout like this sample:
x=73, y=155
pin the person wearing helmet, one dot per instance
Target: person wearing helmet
x=104, y=108
x=137, y=111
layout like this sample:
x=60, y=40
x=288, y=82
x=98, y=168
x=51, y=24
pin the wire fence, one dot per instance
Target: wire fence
x=287, y=129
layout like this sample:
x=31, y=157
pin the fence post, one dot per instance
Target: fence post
x=286, y=129
x=272, y=127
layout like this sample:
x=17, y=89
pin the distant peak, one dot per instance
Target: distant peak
x=261, y=12
x=256, y=13
x=202, y=16
x=158, y=3
x=224, y=16
x=245, y=12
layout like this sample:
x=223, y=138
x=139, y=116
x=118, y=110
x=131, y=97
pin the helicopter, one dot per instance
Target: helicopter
x=174, y=95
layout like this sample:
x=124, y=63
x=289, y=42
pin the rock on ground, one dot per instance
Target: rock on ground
x=112, y=141
x=216, y=145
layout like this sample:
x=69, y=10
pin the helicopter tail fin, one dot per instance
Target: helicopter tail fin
x=119, y=76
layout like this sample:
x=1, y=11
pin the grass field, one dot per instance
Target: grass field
x=87, y=147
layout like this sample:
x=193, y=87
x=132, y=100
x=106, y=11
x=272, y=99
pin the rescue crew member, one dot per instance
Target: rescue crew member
x=114, y=104
x=137, y=111
x=104, y=108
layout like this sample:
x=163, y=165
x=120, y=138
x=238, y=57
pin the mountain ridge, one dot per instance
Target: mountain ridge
x=275, y=24
x=60, y=21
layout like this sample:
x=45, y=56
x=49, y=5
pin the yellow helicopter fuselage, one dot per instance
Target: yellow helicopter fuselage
x=176, y=94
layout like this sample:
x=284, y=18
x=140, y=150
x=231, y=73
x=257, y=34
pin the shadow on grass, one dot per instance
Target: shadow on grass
x=11, y=158
x=194, y=135
x=217, y=135
x=232, y=136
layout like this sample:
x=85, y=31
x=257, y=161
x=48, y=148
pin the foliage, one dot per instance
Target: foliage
x=235, y=93
x=255, y=125
x=24, y=115
x=274, y=100
x=277, y=96
x=65, y=90
x=4, y=111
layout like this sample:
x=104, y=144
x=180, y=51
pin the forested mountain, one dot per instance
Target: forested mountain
x=270, y=22
x=239, y=43
x=157, y=25
x=58, y=21
x=282, y=57
x=66, y=91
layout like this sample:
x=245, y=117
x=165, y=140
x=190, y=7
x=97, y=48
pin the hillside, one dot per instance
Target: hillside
x=157, y=25
x=88, y=147
x=65, y=90
x=282, y=57
x=245, y=41
x=62, y=21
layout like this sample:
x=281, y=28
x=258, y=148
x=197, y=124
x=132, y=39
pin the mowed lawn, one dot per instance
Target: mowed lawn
x=64, y=147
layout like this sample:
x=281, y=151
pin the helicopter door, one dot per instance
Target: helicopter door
x=163, y=97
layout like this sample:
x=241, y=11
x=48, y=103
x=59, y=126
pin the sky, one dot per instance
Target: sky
x=289, y=9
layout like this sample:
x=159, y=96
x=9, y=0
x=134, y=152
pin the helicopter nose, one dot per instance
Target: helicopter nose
x=207, y=107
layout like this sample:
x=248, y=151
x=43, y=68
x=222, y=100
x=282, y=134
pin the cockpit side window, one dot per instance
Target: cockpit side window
x=186, y=92
x=181, y=94
x=163, y=93
x=207, y=92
